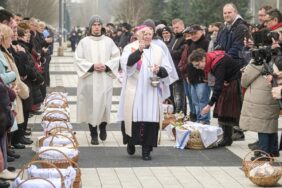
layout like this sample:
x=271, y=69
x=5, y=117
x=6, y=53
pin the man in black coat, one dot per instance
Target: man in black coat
x=176, y=47
x=231, y=40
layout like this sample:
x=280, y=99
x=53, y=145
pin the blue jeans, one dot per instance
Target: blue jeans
x=267, y=142
x=187, y=89
x=200, y=97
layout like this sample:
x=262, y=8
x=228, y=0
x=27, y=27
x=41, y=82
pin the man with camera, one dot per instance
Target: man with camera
x=267, y=55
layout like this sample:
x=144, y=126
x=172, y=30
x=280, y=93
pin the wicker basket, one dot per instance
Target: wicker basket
x=168, y=119
x=195, y=141
x=267, y=181
x=68, y=162
x=22, y=170
x=57, y=127
x=47, y=116
x=247, y=163
x=59, y=130
x=41, y=141
x=49, y=104
x=59, y=163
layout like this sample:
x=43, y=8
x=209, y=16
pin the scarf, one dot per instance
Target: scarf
x=212, y=58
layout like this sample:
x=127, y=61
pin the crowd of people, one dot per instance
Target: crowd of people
x=26, y=48
x=201, y=68
x=194, y=67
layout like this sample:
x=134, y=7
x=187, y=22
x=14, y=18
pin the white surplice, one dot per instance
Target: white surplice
x=139, y=100
x=94, y=92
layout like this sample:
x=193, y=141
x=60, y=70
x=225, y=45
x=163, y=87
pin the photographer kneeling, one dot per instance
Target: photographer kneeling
x=226, y=92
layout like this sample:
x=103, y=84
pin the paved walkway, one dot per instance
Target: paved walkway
x=108, y=165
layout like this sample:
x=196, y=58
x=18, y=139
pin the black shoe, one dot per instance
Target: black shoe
x=193, y=117
x=103, y=132
x=275, y=154
x=28, y=129
x=130, y=149
x=4, y=184
x=11, y=154
x=146, y=157
x=27, y=133
x=25, y=141
x=37, y=112
x=11, y=169
x=10, y=159
x=94, y=141
x=19, y=146
x=238, y=136
x=254, y=146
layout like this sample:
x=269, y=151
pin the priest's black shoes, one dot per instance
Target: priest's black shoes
x=146, y=157
x=94, y=141
x=130, y=149
x=103, y=132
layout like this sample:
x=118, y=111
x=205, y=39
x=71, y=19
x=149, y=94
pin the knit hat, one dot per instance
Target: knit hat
x=149, y=23
x=127, y=26
x=166, y=29
x=94, y=19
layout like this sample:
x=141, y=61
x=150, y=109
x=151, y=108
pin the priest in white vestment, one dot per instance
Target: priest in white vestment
x=140, y=106
x=97, y=64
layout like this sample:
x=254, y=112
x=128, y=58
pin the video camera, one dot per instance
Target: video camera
x=262, y=52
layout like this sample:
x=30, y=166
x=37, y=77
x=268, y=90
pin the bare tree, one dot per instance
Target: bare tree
x=47, y=11
x=132, y=11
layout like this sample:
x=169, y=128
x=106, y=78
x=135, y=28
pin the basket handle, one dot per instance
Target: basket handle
x=61, y=129
x=56, y=111
x=254, y=161
x=40, y=162
x=37, y=178
x=55, y=98
x=58, y=127
x=54, y=135
x=55, y=93
x=37, y=156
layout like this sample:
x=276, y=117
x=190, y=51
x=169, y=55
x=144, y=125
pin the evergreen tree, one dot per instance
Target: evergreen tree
x=3, y=3
x=206, y=11
x=174, y=9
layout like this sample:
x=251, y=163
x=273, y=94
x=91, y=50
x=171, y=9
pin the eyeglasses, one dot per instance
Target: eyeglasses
x=268, y=20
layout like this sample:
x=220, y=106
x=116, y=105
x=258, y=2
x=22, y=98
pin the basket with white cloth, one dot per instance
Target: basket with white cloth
x=36, y=181
x=195, y=135
x=265, y=174
x=51, y=125
x=61, y=159
x=58, y=156
x=59, y=140
x=55, y=115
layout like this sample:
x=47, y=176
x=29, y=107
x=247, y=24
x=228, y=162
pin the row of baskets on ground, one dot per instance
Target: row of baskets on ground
x=262, y=170
x=57, y=154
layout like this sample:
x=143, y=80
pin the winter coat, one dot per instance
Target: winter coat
x=6, y=74
x=260, y=111
x=231, y=40
x=24, y=90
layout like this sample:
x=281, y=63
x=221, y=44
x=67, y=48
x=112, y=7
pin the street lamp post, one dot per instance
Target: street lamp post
x=60, y=49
